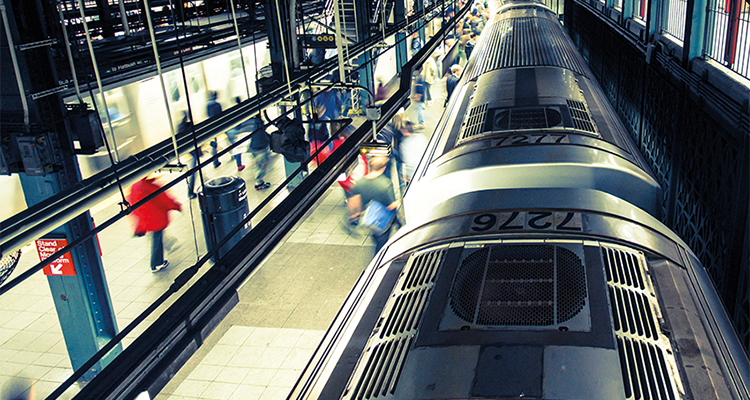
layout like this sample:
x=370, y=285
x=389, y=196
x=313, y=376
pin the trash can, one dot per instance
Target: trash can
x=223, y=203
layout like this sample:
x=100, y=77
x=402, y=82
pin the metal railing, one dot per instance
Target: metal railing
x=727, y=38
x=674, y=18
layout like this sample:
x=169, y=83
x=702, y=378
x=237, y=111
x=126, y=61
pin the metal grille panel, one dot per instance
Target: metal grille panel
x=520, y=42
x=580, y=116
x=380, y=365
x=645, y=356
x=474, y=122
x=645, y=371
x=519, y=285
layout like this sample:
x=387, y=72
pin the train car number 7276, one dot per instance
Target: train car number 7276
x=528, y=220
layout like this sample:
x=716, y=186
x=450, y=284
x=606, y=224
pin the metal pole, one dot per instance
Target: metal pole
x=98, y=79
x=70, y=55
x=161, y=79
x=339, y=49
x=239, y=46
x=283, y=49
x=124, y=16
x=17, y=70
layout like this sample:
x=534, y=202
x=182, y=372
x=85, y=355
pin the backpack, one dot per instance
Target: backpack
x=377, y=218
x=289, y=140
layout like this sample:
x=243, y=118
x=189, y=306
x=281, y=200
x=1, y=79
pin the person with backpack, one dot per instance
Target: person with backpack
x=374, y=187
x=289, y=141
x=416, y=43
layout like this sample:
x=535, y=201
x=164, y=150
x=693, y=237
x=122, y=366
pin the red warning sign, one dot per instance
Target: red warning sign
x=63, y=265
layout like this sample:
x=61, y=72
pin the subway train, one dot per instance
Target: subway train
x=138, y=112
x=533, y=263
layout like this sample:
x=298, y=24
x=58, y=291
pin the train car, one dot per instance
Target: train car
x=533, y=264
x=138, y=112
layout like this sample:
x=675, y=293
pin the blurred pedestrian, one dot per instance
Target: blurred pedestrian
x=470, y=44
x=233, y=135
x=374, y=186
x=416, y=43
x=152, y=217
x=328, y=107
x=411, y=149
x=429, y=74
x=391, y=134
x=452, y=80
x=419, y=97
x=184, y=127
x=259, y=142
x=381, y=93
x=213, y=108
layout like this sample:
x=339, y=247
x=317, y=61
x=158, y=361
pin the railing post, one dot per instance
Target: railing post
x=695, y=31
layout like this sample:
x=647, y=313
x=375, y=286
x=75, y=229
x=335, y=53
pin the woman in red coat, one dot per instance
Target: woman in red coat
x=152, y=217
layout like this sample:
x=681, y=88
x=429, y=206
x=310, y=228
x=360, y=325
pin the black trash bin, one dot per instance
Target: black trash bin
x=223, y=203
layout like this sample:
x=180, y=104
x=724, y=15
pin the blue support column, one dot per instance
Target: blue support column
x=418, y=10
x=399, y=14
x=627, y=9
x=82, y=299
x=695, y=28
x=653, y=19
x=367, y=72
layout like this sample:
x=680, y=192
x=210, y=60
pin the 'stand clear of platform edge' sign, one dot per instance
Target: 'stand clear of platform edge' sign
x=63, y=265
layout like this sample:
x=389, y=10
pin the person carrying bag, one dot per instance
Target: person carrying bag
x=376, y=191
x=377, y=218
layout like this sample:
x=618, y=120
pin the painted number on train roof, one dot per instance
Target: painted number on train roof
x=530, y=138
x=528, y=220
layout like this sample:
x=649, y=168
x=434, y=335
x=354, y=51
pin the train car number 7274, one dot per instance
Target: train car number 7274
x=528, y=220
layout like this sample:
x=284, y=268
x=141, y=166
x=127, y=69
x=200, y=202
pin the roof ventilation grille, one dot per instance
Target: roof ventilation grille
x=645, y=356
x=580, y=116
x=518, y=286
x=645, y=371
x=380, y=365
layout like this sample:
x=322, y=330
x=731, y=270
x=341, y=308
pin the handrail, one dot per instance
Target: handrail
x=181, y=327
x=47, y=215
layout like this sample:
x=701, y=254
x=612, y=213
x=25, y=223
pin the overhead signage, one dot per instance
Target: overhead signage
x=63, y=265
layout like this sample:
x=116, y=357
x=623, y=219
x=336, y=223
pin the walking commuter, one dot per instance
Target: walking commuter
x=429, y=74
x=152, y=217
x=411, y=149
x=259, y=142
x=232, y=136
x=213, y=108
x=195, y=154
x=452, y=80
x=419, y=98
x=374, y=187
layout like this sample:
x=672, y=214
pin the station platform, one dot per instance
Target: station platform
x=259, y=349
